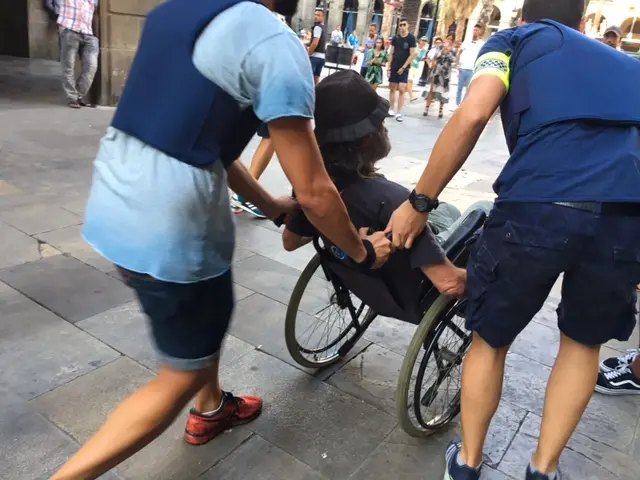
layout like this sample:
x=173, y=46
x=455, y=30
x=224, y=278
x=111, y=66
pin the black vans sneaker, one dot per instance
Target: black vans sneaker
x=533, y=475
x=623, y=361
x=618, y=382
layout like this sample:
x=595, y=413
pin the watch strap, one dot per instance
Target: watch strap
x=370, y=260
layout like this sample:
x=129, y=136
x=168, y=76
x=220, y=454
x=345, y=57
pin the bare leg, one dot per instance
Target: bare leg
x=209, y=397
x=410, y=90
x=482, y=377
x=403, y=88
x=137, y=421
x=635, y=366
x=429, y=101
x=262, y=157
x=392, y=96
x=569, y=390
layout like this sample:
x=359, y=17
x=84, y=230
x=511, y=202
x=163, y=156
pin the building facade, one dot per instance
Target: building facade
x=27, y=31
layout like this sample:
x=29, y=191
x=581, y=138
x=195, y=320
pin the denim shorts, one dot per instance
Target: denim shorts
x=522, y=251
x=317, y=64
x=188, y=320
x=263, y=131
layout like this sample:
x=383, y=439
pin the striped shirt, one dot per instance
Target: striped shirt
x=77, y=15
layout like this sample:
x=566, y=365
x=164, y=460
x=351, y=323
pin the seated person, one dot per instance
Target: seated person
x=352, y=137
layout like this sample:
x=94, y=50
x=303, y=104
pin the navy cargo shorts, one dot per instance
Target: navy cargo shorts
x=522, y=251
x=188, y=320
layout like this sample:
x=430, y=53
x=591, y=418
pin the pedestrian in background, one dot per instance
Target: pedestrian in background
x=369, y=43
x=76, y=22
x=376, y=59
x=353, y=40
x=414, y=71
x=467, y=55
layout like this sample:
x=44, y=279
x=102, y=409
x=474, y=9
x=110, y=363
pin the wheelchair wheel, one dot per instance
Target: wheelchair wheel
x=428, y=394
x=322, y=339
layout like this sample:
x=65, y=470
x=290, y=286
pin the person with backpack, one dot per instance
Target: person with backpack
x=159, y=203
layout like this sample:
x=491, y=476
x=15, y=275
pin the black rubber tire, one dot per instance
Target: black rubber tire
x=429, y=322
x=292, y=315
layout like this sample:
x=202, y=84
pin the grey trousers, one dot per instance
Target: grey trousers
x=87, y=47
x=449, y=218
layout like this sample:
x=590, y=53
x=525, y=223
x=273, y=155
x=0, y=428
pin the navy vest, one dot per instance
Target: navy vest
x=168, y=104
x=554, y=78
x=322, y=41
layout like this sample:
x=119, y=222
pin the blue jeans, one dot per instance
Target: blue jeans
x=522, y=251
x=464, y=79
x=73, y=44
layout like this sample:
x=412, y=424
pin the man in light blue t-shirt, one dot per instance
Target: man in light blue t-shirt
x=166, y=224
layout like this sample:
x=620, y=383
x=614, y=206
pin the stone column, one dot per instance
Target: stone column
x=506, y=12
x=365, y=10
x=43, y=32
x=121, y=23
x=473, y=19
x=387, y=20
x=336, y=8
x=306, y=10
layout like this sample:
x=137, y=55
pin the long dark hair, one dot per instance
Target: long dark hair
x=347, y=161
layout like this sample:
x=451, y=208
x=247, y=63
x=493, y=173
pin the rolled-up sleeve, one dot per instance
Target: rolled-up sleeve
x=279, y=80
x=260, y=62
x=426, y=250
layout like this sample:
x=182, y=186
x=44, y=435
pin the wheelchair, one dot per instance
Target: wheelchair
x=428, y=389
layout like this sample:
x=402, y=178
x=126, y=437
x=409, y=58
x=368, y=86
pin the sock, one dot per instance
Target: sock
x=460, y=463
x=213, y=412
x=550, y=476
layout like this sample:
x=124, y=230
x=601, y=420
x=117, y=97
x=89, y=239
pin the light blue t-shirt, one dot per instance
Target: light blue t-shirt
x=152, y=214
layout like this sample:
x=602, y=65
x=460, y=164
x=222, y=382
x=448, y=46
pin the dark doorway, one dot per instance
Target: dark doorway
x=14, y=28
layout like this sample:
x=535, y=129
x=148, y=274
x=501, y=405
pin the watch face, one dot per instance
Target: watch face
x=421, y=204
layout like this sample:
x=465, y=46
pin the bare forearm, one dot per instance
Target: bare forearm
x=292, y=242
x=449, y=154
x=313, y=46
x=326, y=211
x=242, y=182
x=410, y=60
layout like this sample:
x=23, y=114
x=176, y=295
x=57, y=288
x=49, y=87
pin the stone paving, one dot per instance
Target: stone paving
x=73, y=343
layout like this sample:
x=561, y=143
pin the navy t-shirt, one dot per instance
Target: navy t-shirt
x=571, y=161
x=402, y=49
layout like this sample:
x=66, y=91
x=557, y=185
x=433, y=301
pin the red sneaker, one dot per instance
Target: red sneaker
x=235, y=411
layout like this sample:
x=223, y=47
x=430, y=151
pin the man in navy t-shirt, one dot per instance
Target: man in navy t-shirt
x=568, y=204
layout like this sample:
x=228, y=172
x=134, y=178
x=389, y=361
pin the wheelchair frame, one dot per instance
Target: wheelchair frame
x=436, y=312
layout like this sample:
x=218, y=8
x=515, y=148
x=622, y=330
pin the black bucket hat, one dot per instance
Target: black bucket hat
x=347, y=108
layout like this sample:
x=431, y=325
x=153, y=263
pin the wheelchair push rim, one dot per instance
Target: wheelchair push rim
x=333, y=329
x=428, y=399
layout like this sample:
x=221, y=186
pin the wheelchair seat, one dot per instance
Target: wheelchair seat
x=407, y=294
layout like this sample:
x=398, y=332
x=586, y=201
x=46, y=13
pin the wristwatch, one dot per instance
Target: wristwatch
x=422, y=203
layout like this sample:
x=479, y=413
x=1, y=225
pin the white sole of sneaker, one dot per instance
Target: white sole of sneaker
x=611, y=392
